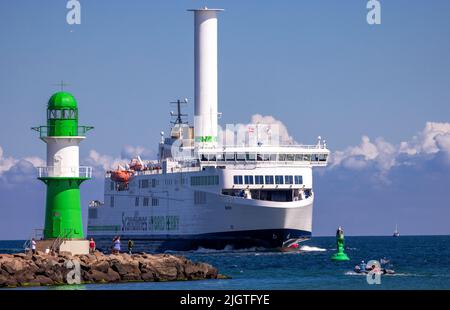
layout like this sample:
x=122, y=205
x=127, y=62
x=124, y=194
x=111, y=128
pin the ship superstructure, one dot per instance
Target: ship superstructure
x=209, y=188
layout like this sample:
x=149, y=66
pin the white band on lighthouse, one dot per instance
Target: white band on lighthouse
x=63, y=156
x=205, y=112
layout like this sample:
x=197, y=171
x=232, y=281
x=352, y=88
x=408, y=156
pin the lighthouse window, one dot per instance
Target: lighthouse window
x=269, y=179
x=237, y=179
x=298, y=179
x=248, y=179
x=278, y=179
x=288, y=179
x=136, y=201
x=259, y=179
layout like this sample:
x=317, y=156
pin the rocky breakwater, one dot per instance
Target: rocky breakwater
x=42, y=269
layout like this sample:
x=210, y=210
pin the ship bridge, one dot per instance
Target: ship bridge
x=310, y=155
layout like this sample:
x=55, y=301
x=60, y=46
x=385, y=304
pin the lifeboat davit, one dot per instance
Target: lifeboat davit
x=122, y=176
x=137, y=164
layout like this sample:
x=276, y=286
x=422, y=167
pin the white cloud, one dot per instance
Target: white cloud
x=129, y=151
x=18, y=170
x=434, y=138
x=264, y=129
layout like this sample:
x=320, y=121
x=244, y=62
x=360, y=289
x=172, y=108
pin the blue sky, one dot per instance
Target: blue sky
x=317, y=66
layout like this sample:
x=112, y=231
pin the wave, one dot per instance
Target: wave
x=307, y=248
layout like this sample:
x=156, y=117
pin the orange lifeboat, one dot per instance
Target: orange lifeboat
x=122, y=176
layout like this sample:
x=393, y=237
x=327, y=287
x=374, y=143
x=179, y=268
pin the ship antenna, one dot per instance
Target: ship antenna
x=178, y=114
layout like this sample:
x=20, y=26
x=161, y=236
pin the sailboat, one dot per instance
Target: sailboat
x=396, y=232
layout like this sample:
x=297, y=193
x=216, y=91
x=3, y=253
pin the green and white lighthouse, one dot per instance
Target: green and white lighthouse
x=63, y=174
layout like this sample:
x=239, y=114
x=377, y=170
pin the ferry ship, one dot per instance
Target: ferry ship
x=207, y=189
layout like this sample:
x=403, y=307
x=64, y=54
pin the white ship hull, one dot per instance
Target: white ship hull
x=174, y=216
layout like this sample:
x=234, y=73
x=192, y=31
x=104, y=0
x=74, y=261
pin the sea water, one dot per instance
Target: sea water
x=420, y=262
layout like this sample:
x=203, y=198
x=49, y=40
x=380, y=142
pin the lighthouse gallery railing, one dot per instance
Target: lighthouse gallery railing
x=75, y=172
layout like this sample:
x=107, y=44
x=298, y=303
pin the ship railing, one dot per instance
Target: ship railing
x=249, y=164
x=70, y=131
x=274, y=146
x=55, y=171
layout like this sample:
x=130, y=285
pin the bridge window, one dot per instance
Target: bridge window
x=248, y=179
x=269, y=179
x=240, y=156
x=259, y=179
x=322, y=157
x=298, y=179
x=279, y=179
x=288, y=179
x=282, y=157
x=229, y=156
x=237, y=179
x=251, y=156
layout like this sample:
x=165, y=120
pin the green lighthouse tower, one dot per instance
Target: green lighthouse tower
x=63, y=174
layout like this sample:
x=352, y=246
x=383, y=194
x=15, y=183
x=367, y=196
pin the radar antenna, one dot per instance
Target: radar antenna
x=178, y=120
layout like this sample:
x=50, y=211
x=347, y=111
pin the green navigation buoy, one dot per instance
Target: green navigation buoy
x=340, y=255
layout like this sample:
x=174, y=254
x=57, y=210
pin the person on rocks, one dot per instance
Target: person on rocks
x=116, y=245
x=130, y=246
x=91, y=246
x=33, y=246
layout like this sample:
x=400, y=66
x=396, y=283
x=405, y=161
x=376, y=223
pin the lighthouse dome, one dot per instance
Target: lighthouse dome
x=62, y=100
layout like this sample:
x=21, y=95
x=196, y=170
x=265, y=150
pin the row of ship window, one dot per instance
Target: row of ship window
x=267, y=179
x=263, y=157
x=146, y=201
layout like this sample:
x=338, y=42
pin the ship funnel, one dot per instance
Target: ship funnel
x=205, y=50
